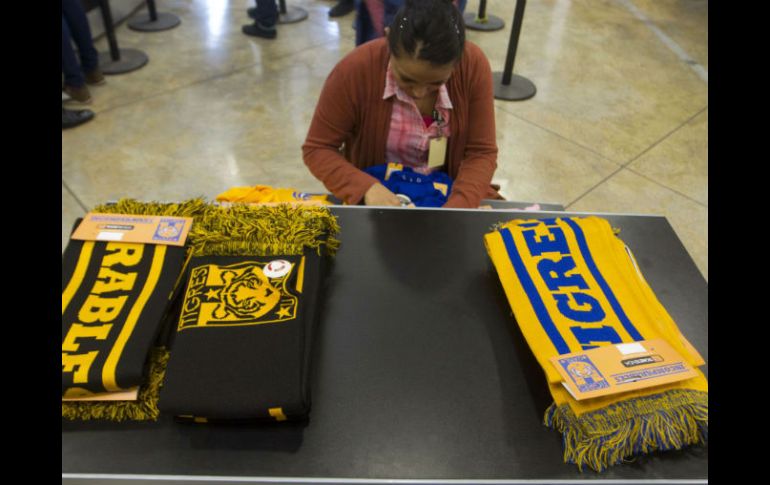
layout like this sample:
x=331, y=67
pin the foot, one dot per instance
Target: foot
x=95, y=77
x=78, y=94
x=71, y=118
x=252, y=12
x=344, y=7
x=258, y=30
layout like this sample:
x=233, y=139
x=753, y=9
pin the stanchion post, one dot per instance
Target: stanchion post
x=291, y=14
x=508, y=86
x=118, y=61
x=153, y=11
x=482, y=21
x=513, y=42
x=153, y=21
x=109, y=29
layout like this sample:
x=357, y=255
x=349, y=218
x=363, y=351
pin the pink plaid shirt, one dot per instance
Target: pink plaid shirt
x=409, y=138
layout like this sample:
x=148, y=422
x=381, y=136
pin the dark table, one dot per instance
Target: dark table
x=419, y=373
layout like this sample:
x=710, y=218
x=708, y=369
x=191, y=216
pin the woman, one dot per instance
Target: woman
x=392, y=99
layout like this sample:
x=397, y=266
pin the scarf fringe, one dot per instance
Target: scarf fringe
x=242, y=229
x=145, y=408
x=599, y=439
x=188, y=208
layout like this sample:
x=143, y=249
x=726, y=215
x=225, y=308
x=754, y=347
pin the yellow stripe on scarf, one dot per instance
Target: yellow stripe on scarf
x=77, y=275
x=572, y=286
x=111, y=364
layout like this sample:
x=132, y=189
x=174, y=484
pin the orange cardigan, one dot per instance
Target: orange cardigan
x=351, y=112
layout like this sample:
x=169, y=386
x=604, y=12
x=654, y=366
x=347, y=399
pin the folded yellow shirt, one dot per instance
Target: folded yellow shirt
x=265, y=194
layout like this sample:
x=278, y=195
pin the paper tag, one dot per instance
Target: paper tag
x=128, y=228
x=437, y=152
x=632, y=348
x=109, y=236
x=620, y=368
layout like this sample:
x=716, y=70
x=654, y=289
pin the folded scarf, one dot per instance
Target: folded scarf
x=114, y=299
x=431, y=190
x=244, y=336
x=573, y=285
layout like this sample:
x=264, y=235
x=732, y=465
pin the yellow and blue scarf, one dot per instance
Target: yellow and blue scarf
x=573, y=285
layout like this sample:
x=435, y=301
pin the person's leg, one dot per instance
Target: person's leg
x=363, y=24
x=267, y=13
x=343, y=7
x=76, y=19
x=73, y=76
x=265, y=18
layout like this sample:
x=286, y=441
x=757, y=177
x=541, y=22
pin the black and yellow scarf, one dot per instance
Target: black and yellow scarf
x=573, y=285
x=114, y=298
x=244, y=335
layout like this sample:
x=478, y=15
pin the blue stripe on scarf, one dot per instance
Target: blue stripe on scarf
x=532, y=293
x=581, y=240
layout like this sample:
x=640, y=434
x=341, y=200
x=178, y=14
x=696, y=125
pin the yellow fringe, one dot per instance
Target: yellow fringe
x=145, y=408
x=669, y=420
x=189, y=208
x=242, y=229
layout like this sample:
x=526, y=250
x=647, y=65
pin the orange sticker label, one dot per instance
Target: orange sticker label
x=620, y=368
x=129, y=228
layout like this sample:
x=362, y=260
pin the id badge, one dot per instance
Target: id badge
x=437, y=152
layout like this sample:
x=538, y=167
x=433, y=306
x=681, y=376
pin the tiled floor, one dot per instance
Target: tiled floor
x=619, y=122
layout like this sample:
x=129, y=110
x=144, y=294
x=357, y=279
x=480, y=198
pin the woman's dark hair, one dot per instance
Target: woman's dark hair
x=433, y=29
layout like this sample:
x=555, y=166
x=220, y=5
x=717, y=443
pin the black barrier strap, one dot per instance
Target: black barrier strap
x=282, y=6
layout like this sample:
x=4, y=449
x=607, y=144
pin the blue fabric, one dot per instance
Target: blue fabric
x=74, y=27
x=418, y=187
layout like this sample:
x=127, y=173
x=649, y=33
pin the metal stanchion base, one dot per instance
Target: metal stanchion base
x=144, y=23
x=293, y=14
x=520, y=88
x=490, y=23
x=130, y=60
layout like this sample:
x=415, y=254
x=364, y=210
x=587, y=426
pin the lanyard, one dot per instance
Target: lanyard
x=440, y=121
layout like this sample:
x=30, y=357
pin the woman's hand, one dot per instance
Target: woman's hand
x=379, y=195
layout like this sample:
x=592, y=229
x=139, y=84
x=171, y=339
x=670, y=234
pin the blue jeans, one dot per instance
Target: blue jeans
x=267, y=13
x=74, y=27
